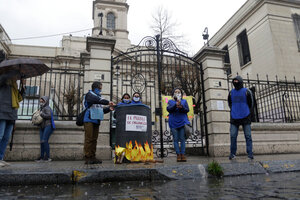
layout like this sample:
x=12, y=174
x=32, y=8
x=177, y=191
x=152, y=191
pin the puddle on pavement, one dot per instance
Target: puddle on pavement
x=273, y=186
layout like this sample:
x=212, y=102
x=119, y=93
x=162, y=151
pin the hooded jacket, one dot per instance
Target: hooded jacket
x=46, y=113
x=240, y=101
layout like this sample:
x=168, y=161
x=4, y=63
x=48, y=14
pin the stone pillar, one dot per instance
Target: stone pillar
x=99, y=69
x=216, y=92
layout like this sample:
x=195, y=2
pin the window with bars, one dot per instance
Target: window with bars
x=296, y=19
x=111, y=21
x=243, y=48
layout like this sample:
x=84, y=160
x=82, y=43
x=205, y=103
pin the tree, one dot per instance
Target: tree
x=164, y=25
x=184, y=74
x=71, y=100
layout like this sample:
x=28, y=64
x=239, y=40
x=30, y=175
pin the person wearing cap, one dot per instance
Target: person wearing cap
x=240, y=101
x=178, y=109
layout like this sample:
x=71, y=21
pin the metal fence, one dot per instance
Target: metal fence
x=63, y=86
x=275, y=100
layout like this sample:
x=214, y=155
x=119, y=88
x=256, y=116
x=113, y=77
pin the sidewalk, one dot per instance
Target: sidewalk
x=66, y=172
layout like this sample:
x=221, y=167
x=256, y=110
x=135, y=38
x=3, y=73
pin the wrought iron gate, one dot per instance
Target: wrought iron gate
x=154, y=68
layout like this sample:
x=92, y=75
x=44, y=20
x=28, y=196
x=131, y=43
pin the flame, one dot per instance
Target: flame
x=138, y=153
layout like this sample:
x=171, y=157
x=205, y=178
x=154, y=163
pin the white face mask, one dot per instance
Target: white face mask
x=177, y=96
x=136, y=99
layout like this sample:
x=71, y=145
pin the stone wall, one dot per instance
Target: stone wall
x=66, y=142
x=268, y=138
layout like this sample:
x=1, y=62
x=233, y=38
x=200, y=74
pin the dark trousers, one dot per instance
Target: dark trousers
x=90, y=139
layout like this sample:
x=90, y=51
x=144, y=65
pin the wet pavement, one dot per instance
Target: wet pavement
x=266, y=186
x=71, y=172
x=243, y=179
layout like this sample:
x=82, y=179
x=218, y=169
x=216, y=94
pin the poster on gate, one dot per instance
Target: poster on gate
x=136, y=123
x=189, y=100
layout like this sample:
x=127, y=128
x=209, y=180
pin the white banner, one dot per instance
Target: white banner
x=136, y=123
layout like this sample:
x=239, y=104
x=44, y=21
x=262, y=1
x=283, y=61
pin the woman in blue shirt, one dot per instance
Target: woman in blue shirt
x=178, y=109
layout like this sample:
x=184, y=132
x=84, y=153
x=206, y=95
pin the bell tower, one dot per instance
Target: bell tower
x=110, y=20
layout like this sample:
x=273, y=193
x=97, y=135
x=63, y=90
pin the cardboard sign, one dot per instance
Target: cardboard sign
x=136, y=123
x=189, y=100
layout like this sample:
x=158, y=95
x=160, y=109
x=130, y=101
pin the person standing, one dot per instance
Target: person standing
x=46, y=128
x=240, y=101
x=92, y=118
x=178, y=109
x=10, y=96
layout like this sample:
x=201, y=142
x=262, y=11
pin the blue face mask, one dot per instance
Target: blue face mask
x=136, y=99
x=97, y=91
x=126, y=101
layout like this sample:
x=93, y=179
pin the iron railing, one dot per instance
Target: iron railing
x=274, y=100
x=63, y=86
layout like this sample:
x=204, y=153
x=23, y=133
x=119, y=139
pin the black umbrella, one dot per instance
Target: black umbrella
x=22, y=68
x=25, y=67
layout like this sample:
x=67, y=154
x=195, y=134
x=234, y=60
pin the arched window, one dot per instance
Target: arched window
x=111, y=21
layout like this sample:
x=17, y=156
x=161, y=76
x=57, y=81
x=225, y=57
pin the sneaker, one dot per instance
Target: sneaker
x=232, y=157
x=5, y=163
x=47, y=159
x=2, y=164
x=96, y=161
x=251, y=157
x=39, y=159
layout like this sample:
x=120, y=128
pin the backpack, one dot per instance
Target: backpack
x=80, y=118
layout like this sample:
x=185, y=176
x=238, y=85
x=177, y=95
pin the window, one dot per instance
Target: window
x=296, y=19
x=226, y=59
x=243, y=48
x=111, y=21
x=227, y=65
x=2, y=55
x=32, y=91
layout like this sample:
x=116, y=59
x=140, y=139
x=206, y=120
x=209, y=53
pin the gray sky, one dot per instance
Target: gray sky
x=29, y=18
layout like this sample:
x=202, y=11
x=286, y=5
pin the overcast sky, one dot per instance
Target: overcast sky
x=29, y=18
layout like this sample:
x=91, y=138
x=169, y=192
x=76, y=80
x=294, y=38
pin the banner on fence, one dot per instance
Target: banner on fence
x=189, y=100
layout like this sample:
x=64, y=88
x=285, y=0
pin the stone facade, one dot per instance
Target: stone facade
x=118, y=10
x=271, y=36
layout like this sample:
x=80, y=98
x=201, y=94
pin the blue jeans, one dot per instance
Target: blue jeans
x=233, y=137
x=44, y=137
x=178, y=136
x=5, y=131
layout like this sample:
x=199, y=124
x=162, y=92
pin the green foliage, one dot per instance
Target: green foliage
x=215, y=169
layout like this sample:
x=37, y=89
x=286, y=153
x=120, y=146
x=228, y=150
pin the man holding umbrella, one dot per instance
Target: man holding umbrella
x=11, y=96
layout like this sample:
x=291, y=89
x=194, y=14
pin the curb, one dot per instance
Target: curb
x=172, y=172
